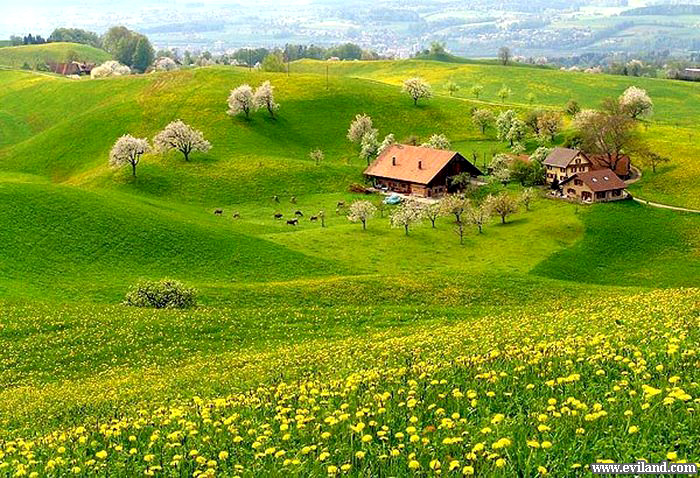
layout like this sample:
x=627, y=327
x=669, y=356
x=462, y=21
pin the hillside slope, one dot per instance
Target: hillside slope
x=33, y=55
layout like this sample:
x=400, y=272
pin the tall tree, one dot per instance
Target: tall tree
x=143, y=54
x=407, y=214
x=636, y=102
x=504, y=55
x=361, y=211
x=361, y=125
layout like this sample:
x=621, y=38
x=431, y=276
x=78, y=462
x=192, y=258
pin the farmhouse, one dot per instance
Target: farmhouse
x=601, y=185
x=562, y=163
x=71, y=68
x=420, y=171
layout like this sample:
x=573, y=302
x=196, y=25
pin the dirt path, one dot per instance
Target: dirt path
x=665, y=206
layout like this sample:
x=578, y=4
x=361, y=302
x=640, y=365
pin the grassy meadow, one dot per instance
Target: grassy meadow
x=566, y=336
x=33, y=55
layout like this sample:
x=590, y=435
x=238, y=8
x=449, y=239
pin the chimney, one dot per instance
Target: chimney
x=393, y=160
x=420, y=164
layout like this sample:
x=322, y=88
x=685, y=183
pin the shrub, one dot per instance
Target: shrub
x=162, y=294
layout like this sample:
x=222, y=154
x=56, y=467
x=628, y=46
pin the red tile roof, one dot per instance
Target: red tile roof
x=402, y=161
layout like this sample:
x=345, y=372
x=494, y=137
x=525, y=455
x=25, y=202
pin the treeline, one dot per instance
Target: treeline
x=128, y=47
x=663, y=10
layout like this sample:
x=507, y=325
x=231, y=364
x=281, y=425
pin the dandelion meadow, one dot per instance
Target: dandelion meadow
x=230, y=300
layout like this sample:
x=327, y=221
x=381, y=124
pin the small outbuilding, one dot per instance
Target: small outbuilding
x=420, y=171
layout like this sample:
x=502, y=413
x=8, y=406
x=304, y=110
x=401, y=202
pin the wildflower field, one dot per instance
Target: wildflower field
x=566, y=335
x=533, y=392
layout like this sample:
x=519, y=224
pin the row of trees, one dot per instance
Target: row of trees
x=465, y=211
x=243, y=99
x=128, y=150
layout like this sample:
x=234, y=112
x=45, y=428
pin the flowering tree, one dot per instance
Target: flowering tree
x=182, y=137
x=451, y=87
x=386, y=142
x=361, y=125
x=164, y=63
x=502, y=204
x=437, y=141
x=417, y=88
x=128, y=150
x=482, y=117
x=477, y=90
x=361, y=211
x=455, y=205
x=527, y=196
x=479, y=215
x=549, y=124
x=503, y=124
x=408, y=213
x=636, y=102
x=500, y=168
x=110, y=68
x=517, y=131
x=369, y=146
x=504, y=93
x=241, y=101
x=264, y=97
x=316, y=156
x=432, y=212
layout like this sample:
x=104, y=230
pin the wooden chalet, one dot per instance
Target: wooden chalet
x=563, y=163
x=424, y=172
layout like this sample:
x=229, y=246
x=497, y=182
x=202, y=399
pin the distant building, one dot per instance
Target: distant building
x=601, y=185
x=691, y=74
x=71, y=68
x=420, y=171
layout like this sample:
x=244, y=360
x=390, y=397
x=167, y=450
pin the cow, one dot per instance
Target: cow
x=236, y=215
x=313, y=218
x=218, y=212
x=298, y=213
x=340, y=204
x=293, y=222
x=278, y=215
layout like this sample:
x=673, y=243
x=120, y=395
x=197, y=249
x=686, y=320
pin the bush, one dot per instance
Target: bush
x=162, y=294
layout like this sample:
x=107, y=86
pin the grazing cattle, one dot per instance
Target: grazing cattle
x=218, y=212
x=299, y=213
x=293, y=199
x=293, y=222
x=236, y=215
x=278, y=215
x=313, y=218
x=340, y=204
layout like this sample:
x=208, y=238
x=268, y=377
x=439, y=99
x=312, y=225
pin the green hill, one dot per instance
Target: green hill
x=327, y=319
x=34, y=55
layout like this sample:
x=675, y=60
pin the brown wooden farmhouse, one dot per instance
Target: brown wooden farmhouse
x=416, y=170
x=594, y=186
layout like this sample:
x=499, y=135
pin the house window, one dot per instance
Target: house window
x=617, y=192
x=600, y=195
x=570, y=191
x=578, y=182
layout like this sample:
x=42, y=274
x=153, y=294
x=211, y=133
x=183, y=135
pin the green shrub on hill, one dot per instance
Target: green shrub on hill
x=162, y=294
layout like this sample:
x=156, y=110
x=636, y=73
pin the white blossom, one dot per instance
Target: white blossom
x=164, y=63
x=386, y=142
x=361, y=125
x=437, y=141
x=264, y=97
x=128, y=150
x=417, y=88
x=636, y=102
x=110, y=68
x=240, y=101
x=407, y=214
x=361, y=211
x=180, y=136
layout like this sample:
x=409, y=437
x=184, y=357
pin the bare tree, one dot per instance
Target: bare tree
x=652, y=159
x=182, y=137
x=128, y=150
x=504, y=55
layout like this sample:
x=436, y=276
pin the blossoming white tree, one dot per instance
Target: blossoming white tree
x=110, y=68
x=503, y=123
x=482, y=118
x=417, y=88
x=407, y=214
x=369, y=146
x=437, y=141
x=361, y=125
x=479, y=215
x=316, y=156
x=164, y=63
x=361, y=211
x=386, y=142
x=636, y=102
x=502, y=204
x=264, y=97
x=180, y=136
x=241, y=101
x=128, y=150
x=457, y=206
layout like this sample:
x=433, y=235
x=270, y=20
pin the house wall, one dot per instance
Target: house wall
x=577, y=190
x=578, y=165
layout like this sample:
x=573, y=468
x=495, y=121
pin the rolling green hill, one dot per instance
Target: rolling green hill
x=327, y=318
x=33, y=55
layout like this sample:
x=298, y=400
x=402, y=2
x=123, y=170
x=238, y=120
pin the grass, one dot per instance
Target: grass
x=310, y=318
x=39, y=55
